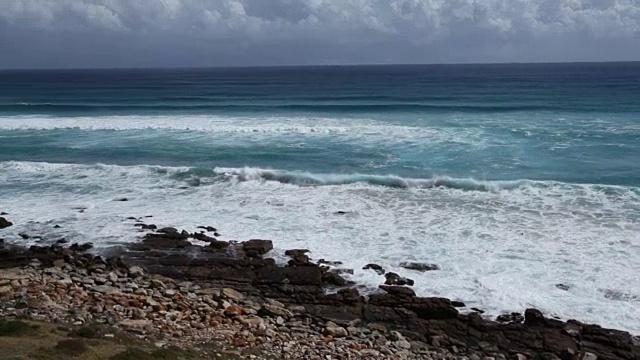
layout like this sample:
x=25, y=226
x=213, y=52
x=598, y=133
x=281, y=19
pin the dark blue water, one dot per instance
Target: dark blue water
x=567, y=122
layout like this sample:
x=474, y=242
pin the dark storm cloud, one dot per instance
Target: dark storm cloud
x=150, y=33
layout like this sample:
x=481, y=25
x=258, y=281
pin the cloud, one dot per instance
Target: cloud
x=253, y=32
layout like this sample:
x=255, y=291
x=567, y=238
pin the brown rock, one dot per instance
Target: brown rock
x=233, y=311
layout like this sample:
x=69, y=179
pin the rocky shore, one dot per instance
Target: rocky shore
x=170, y=292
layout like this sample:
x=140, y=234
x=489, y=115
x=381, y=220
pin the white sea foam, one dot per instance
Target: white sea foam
x=255, y=127
x=500, y=249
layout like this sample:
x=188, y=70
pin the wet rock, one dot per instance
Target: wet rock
x=162, y=241
x=458, y=304
x=296, y=252
x=375, y=267
x=333, y=278
x=24, y=236
x=145, y=226
x=513, y=317
x=533, y=317
x=62, y=241
x=81, y=247
x=168, y=230
x=563, y=287
x=330, y=263
x=4, y=223
x=395, y=279
x=257, y=247
x=175, y=260
x=121, y=199
x=398, y=290
x=203, y=237
x=422, y=267
x=300, y=260
x=208, y=228
x=216, y=245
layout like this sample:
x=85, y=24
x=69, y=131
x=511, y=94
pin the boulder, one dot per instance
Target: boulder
x=295, y=252
x=398, y=290
x=334, y=330
x=333, y=278
x=533, y=317
x=257, y=247
x=375, y=267
x=203, y=237
x=422, y=267
x=4, y=223
x=208, y=228
x=395, y=279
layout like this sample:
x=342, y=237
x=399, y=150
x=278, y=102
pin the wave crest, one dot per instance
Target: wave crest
x=313, y=179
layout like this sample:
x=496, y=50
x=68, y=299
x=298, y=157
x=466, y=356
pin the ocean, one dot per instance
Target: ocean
x=512, y=178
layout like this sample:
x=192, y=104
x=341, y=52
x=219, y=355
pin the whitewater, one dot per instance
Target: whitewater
x=513, y=179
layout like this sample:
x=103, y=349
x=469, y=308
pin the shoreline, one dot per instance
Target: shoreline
x=252, y=294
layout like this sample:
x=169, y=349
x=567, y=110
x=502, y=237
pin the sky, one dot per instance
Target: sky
x=201, y=33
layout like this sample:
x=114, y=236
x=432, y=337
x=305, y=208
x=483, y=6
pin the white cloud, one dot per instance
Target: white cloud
x=333, y=23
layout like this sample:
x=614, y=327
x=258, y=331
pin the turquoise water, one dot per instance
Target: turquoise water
x=512, y=178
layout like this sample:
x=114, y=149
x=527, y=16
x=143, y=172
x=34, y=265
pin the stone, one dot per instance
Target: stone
x=105, y=289
x=422, y=267
x=134, y=324
x=232, y=294
x=395, y=279
x=398, y=290
x=6, y=290
x=375, y=267
x=274, y=311
x=233, y=311
x=589, y=356
x=157, y=284
x=257, y=247
x=4, y=223
x=533, y=317
x=112, y=277
x=563, y=287
x=136, y=271
x=295, y=252
x=332, y=329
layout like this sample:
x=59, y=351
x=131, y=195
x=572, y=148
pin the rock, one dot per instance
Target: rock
x=422, y=267
x=134, y=324
x=375, y=267
x=333, y=278
x=373, y=353
x=157, y=284
x=6, y=290
x=232, y=294
x=105, y=289
x=398, y=290
x=395, y=279
x=136, y=271
x=300, y=260
x=332, y=329
x=208, y=228
x=589, y=356
x=533, y=317
x=458, y=303
x=563, y=287
x=275, y=311
x=4, y=223
x=233, y=311
x=122, y=199
x=175, y=260
x=168, y=230
x=203, y=237
x=510, y=318
x=24, y=236
x=257, y=247
x=330, y=263
x=294, y=252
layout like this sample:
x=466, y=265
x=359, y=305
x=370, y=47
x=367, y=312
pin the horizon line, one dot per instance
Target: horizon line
x=318, y=65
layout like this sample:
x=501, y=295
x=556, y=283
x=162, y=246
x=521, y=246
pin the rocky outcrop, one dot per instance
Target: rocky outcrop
x=422, y=267
x=4, y=223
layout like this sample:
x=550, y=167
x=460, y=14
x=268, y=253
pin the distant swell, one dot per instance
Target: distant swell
x=310, y=179
x=124, y=107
